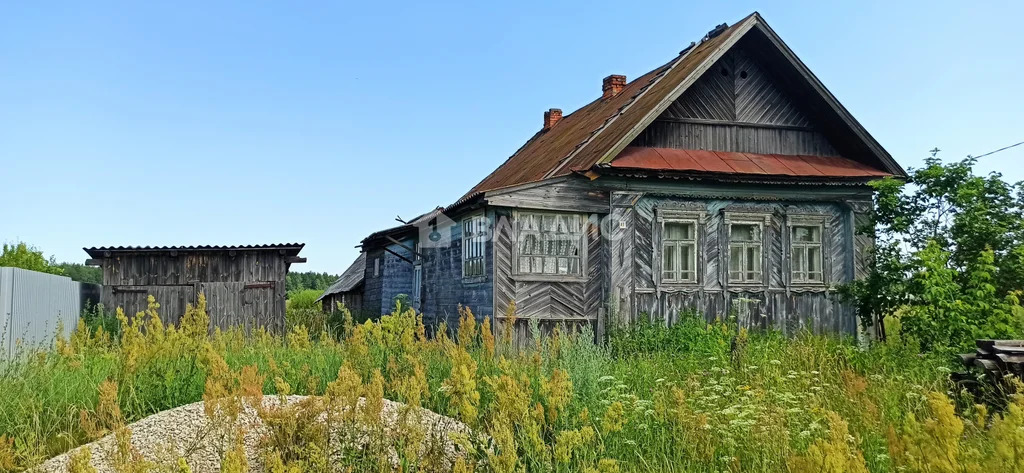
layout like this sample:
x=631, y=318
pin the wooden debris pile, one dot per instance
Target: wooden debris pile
x=991, y=365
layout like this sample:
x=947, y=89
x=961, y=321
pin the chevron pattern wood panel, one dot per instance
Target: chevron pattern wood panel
x=504, y=286
x=776, y=253
x=712, y=97
x=620, y=223
x=643, y=251
x=548, y=299
x=835, y=247
x=595, y=295
x=759, y=99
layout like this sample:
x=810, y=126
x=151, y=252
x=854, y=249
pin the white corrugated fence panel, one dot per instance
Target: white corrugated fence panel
x=34, y=305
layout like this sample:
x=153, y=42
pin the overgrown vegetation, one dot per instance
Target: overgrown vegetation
x=949, y=258
x=25, y=256
x=695, y=397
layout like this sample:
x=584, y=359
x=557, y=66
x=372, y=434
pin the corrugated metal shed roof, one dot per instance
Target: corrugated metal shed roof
x=291, y=249
x=349, y=279
x=703, y=161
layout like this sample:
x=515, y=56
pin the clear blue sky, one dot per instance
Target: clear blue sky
x=134, y=124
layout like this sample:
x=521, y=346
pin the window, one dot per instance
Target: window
x=376, y=267
x=745, y=252
x=550, y=244
x=805, y=254
x=474, y=242
x=679, y=251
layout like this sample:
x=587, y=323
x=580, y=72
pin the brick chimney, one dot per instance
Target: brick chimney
x=612, y=85
x=551, y=117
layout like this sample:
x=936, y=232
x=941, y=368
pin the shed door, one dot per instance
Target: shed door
x=133, y=299
x=245, y=304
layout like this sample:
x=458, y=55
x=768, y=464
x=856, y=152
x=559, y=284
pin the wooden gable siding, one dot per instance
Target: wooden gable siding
x=737, y=105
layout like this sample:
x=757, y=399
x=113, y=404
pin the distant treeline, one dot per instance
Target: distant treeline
x=299, y=281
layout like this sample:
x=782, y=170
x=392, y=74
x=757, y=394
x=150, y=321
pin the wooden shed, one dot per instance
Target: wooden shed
x=244, y=285
x=347, y=289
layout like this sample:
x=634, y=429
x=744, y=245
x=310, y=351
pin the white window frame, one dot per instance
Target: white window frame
x=475, y=233
x=761, y=221
x=696, y=219
x=793, y=221
x=519, y=217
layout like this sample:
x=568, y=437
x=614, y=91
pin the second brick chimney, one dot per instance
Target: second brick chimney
x=551, y=117
x=612, y=85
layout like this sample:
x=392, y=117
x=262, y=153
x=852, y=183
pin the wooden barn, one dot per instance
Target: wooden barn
x=244, y=285
x=727, y=181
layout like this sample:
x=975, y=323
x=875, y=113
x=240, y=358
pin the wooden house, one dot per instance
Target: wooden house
x=727, y=181
x=244, y=285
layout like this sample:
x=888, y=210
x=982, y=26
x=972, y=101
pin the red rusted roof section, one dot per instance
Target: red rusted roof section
x=724, y=162
x=581, y=138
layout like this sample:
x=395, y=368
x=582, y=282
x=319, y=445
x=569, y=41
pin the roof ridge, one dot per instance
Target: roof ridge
x=657, y=77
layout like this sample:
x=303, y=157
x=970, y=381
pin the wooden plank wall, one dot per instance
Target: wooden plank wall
x=245, y=289
x=638, y=293
x=571, y=303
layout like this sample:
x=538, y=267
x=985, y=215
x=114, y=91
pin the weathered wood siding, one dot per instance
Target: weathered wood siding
x=243, y=288
x=738, y=105
x=572, y=301
x=444, y=288
x=774, y=303
x=373, y=282
x=396, y=274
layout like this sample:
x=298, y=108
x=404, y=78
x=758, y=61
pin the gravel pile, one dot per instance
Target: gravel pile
x=187, y=433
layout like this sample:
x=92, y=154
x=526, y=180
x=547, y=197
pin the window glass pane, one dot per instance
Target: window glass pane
x=807, y=234
x=668, y=264
x=549, y=265
x=753, y=262
x=745, y=232
x=686, y=257
x=678, y=231
x=799, y=260
x=735, y=258
x=813, y=259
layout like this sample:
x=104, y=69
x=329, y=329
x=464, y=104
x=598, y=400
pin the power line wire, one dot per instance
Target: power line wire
x=998, y=150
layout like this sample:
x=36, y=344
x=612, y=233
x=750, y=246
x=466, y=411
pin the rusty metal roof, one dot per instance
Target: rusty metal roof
x=725, y=162
x=290, y=249
x=595, y=132
x=351, y=278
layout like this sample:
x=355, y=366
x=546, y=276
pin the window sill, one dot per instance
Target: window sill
x=474, y=280
x=548, y=278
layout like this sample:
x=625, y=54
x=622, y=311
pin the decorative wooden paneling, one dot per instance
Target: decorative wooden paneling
x=620, y=230
x=775, y=304
x=758, y=97
x=504, y=286
x=246, y=305
x=730, y=137
x=595, y=294
x=712, y=97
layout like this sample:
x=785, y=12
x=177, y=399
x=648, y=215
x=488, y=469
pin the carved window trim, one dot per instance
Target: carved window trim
x=669, y=216
x=763, y=222
x=807, y=220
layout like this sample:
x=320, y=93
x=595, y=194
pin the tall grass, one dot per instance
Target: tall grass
x=695, y=397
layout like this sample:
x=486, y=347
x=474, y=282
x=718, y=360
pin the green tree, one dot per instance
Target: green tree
x=82, y=273
x=21, y=255
x=949, y=255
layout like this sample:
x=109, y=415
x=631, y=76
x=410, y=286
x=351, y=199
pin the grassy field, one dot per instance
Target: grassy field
x=696, y=397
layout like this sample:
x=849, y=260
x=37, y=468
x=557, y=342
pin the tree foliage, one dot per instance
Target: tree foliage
x=298, y=281
x=24, y=256
x=82, y=273
x=949, y=255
